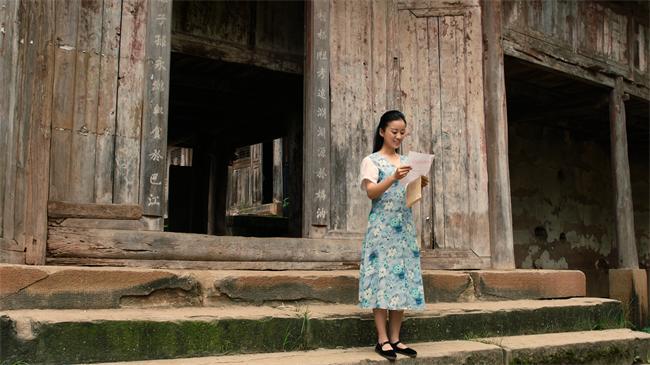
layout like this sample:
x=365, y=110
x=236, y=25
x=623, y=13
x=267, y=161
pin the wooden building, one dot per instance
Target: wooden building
x=97, y=92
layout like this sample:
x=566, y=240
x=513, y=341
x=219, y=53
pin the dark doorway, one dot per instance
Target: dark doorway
x=560, y=170
x=236, y=102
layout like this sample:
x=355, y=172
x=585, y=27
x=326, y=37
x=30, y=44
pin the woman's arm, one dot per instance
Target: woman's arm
x=374, y=190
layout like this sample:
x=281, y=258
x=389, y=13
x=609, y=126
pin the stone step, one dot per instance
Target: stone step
x=612, y=347
x=66, y=287
x=68, y=336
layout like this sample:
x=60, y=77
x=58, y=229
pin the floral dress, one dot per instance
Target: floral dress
x=389, y=276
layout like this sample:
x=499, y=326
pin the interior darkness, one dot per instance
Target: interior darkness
x=215, y=107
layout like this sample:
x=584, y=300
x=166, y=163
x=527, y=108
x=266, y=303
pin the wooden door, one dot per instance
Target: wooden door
x=441, y=92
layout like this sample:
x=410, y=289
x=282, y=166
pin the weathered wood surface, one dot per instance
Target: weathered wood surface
x=418, y=46
x=207, y=265
x=9, y=94
x=586, y=39
x=265, y=34
x=624, y=214
x=109, y=223
x=11, y=252
x=83, y=133
x=500, y=207
x=446, y=111
x=277, y=61
x=66, y=23
x=60, y=209
x=126, y=183
x=153, y=165
x=317, y=148
x=358, y=88
x=85, y=99
x=107, y=103
x=39, y=61
x=141, y=245
x=446, y=6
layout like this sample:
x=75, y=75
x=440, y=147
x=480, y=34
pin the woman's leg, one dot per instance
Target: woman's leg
x=380, y=323
x=394, y=325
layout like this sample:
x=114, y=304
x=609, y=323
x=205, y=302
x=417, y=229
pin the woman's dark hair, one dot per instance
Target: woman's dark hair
x=388, y=117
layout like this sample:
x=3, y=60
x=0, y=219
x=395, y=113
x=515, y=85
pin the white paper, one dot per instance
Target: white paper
x=420, y=165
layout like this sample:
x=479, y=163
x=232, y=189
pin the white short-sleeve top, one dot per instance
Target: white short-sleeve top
x=369, y=171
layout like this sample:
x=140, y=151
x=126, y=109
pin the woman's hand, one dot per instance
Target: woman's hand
x=401, y=171
x=425, y=181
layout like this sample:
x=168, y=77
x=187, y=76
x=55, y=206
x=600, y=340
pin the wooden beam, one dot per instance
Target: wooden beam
x=538, y=52
x=623, y=211
x=151, y=245
x=236, y=53
x=58, y=209
x=500, y=211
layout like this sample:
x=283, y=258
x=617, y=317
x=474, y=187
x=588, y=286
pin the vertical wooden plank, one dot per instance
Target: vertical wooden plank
x=18, y=203
x=84, y=125
x=414, y=40
x=106, y=110
x=437, y=174
x=378, y=60
x=66, y=25
x=452, y=68
x=130, y=95
x=477, y=178
x=37, y=169
x=156, y=101
x=393, y=95
x=624, y=217
x=9, y=56
x=422, y=121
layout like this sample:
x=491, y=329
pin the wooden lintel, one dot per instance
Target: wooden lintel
x=544, y=54
x=230, y=52
x=58, y=209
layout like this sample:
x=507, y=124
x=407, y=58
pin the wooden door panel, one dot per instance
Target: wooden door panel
x=440, y=85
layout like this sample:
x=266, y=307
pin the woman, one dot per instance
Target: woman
x=390, y=279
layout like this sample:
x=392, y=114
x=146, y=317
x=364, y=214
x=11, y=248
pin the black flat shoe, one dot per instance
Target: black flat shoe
x=389, y=355
x=407, y=351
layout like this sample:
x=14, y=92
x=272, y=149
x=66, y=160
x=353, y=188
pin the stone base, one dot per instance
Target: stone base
x=630, y=287
x=67, y=287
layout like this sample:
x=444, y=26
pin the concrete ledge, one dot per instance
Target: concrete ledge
x=529, y=284
x=139, y=334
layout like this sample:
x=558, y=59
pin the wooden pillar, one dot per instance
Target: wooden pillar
x=316, y=192
x=623, y=213
x=500, y=211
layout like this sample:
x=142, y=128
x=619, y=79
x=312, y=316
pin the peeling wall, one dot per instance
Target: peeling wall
x=562, y=202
